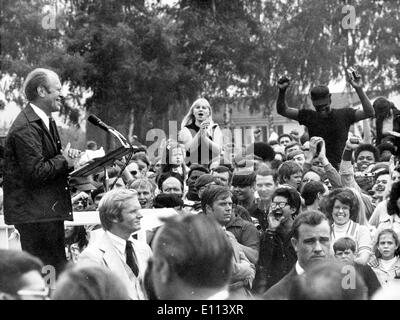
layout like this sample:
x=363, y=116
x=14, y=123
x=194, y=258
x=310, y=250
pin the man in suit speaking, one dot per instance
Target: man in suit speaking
x=37, y=199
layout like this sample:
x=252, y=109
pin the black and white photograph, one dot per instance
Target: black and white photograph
x=206, y=156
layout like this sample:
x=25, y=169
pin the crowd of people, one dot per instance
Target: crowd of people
x=298, y=218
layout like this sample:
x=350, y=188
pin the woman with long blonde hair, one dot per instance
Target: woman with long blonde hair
x=201, y=136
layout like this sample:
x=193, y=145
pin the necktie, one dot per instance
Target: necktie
x=131, y=259
x=53, y=128
x=54, y=132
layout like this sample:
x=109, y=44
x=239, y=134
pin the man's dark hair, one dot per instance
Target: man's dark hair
x=292, y=144
x=286, y=169
x=163, y=200
x=213, y=193
x=386, y=146
x=367, y=147
x=198, y=250
x=382, y=107
x=311, y=190
x=223, y=169
x=90, y=283
x=267, y=172
x=292, y=196
x=379, y=173
x=262, y=150
x=343, y=244
x=13, y=265
x=243, y=180
x=197, y=167
x=324, y=281
x=310, y=217
x=273, y=142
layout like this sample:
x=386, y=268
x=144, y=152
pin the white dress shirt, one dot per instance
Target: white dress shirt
x=299, y=269
x=120, y=244
x=42, y=115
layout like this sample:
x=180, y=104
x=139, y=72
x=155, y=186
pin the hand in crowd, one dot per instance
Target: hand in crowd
x=322, y=154
x=350, y=144
x=71, y=155
x=356, y=83
x=283, y=83
x=273, y=222
x=373, y=261
x=204, y=127
x=312, y=152
x=392, y=164
x=80, y=196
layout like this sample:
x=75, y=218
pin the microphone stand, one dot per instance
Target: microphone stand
x=126, y=144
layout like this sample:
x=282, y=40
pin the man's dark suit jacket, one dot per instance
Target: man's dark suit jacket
x=281, y=290
x=35, y=173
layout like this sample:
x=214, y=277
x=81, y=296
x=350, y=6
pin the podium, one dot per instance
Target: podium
x=98, y=164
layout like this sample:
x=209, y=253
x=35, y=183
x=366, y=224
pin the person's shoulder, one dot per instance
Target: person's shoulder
x=281, y=290
x=344, y=112
x=307, y=112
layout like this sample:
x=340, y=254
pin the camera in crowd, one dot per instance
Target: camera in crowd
x=353, y=73
x=354, y=140
x=256, y=223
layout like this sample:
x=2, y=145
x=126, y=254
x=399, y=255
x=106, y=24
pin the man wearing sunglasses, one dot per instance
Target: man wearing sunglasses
x=277, y=256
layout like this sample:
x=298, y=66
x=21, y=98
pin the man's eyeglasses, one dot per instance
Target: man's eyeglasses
x=280, y=205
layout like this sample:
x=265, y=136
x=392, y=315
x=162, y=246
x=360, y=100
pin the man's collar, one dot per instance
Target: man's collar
x=299, y=269
x=41, y=114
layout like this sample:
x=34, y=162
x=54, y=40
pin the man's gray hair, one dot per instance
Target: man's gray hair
x=36, y=78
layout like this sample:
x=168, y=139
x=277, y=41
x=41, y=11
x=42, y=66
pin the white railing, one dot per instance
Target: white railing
x=150, y=220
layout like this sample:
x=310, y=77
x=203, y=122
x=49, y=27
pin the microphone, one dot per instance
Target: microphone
x=98, y=123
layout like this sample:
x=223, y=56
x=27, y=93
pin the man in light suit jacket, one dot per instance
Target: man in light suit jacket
x=116, y=249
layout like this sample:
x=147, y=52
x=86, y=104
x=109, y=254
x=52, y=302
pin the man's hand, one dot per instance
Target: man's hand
x=356, y=83
x=71, y=155
x=322, y=154
x=312, y=152
x=80, y=196
x=273, y=222
x=350, y=145
x=283, y=83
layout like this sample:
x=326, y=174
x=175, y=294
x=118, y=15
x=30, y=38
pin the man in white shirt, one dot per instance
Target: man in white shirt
x=116, y=249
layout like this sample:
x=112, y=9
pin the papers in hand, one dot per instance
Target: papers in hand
x=89, y=155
